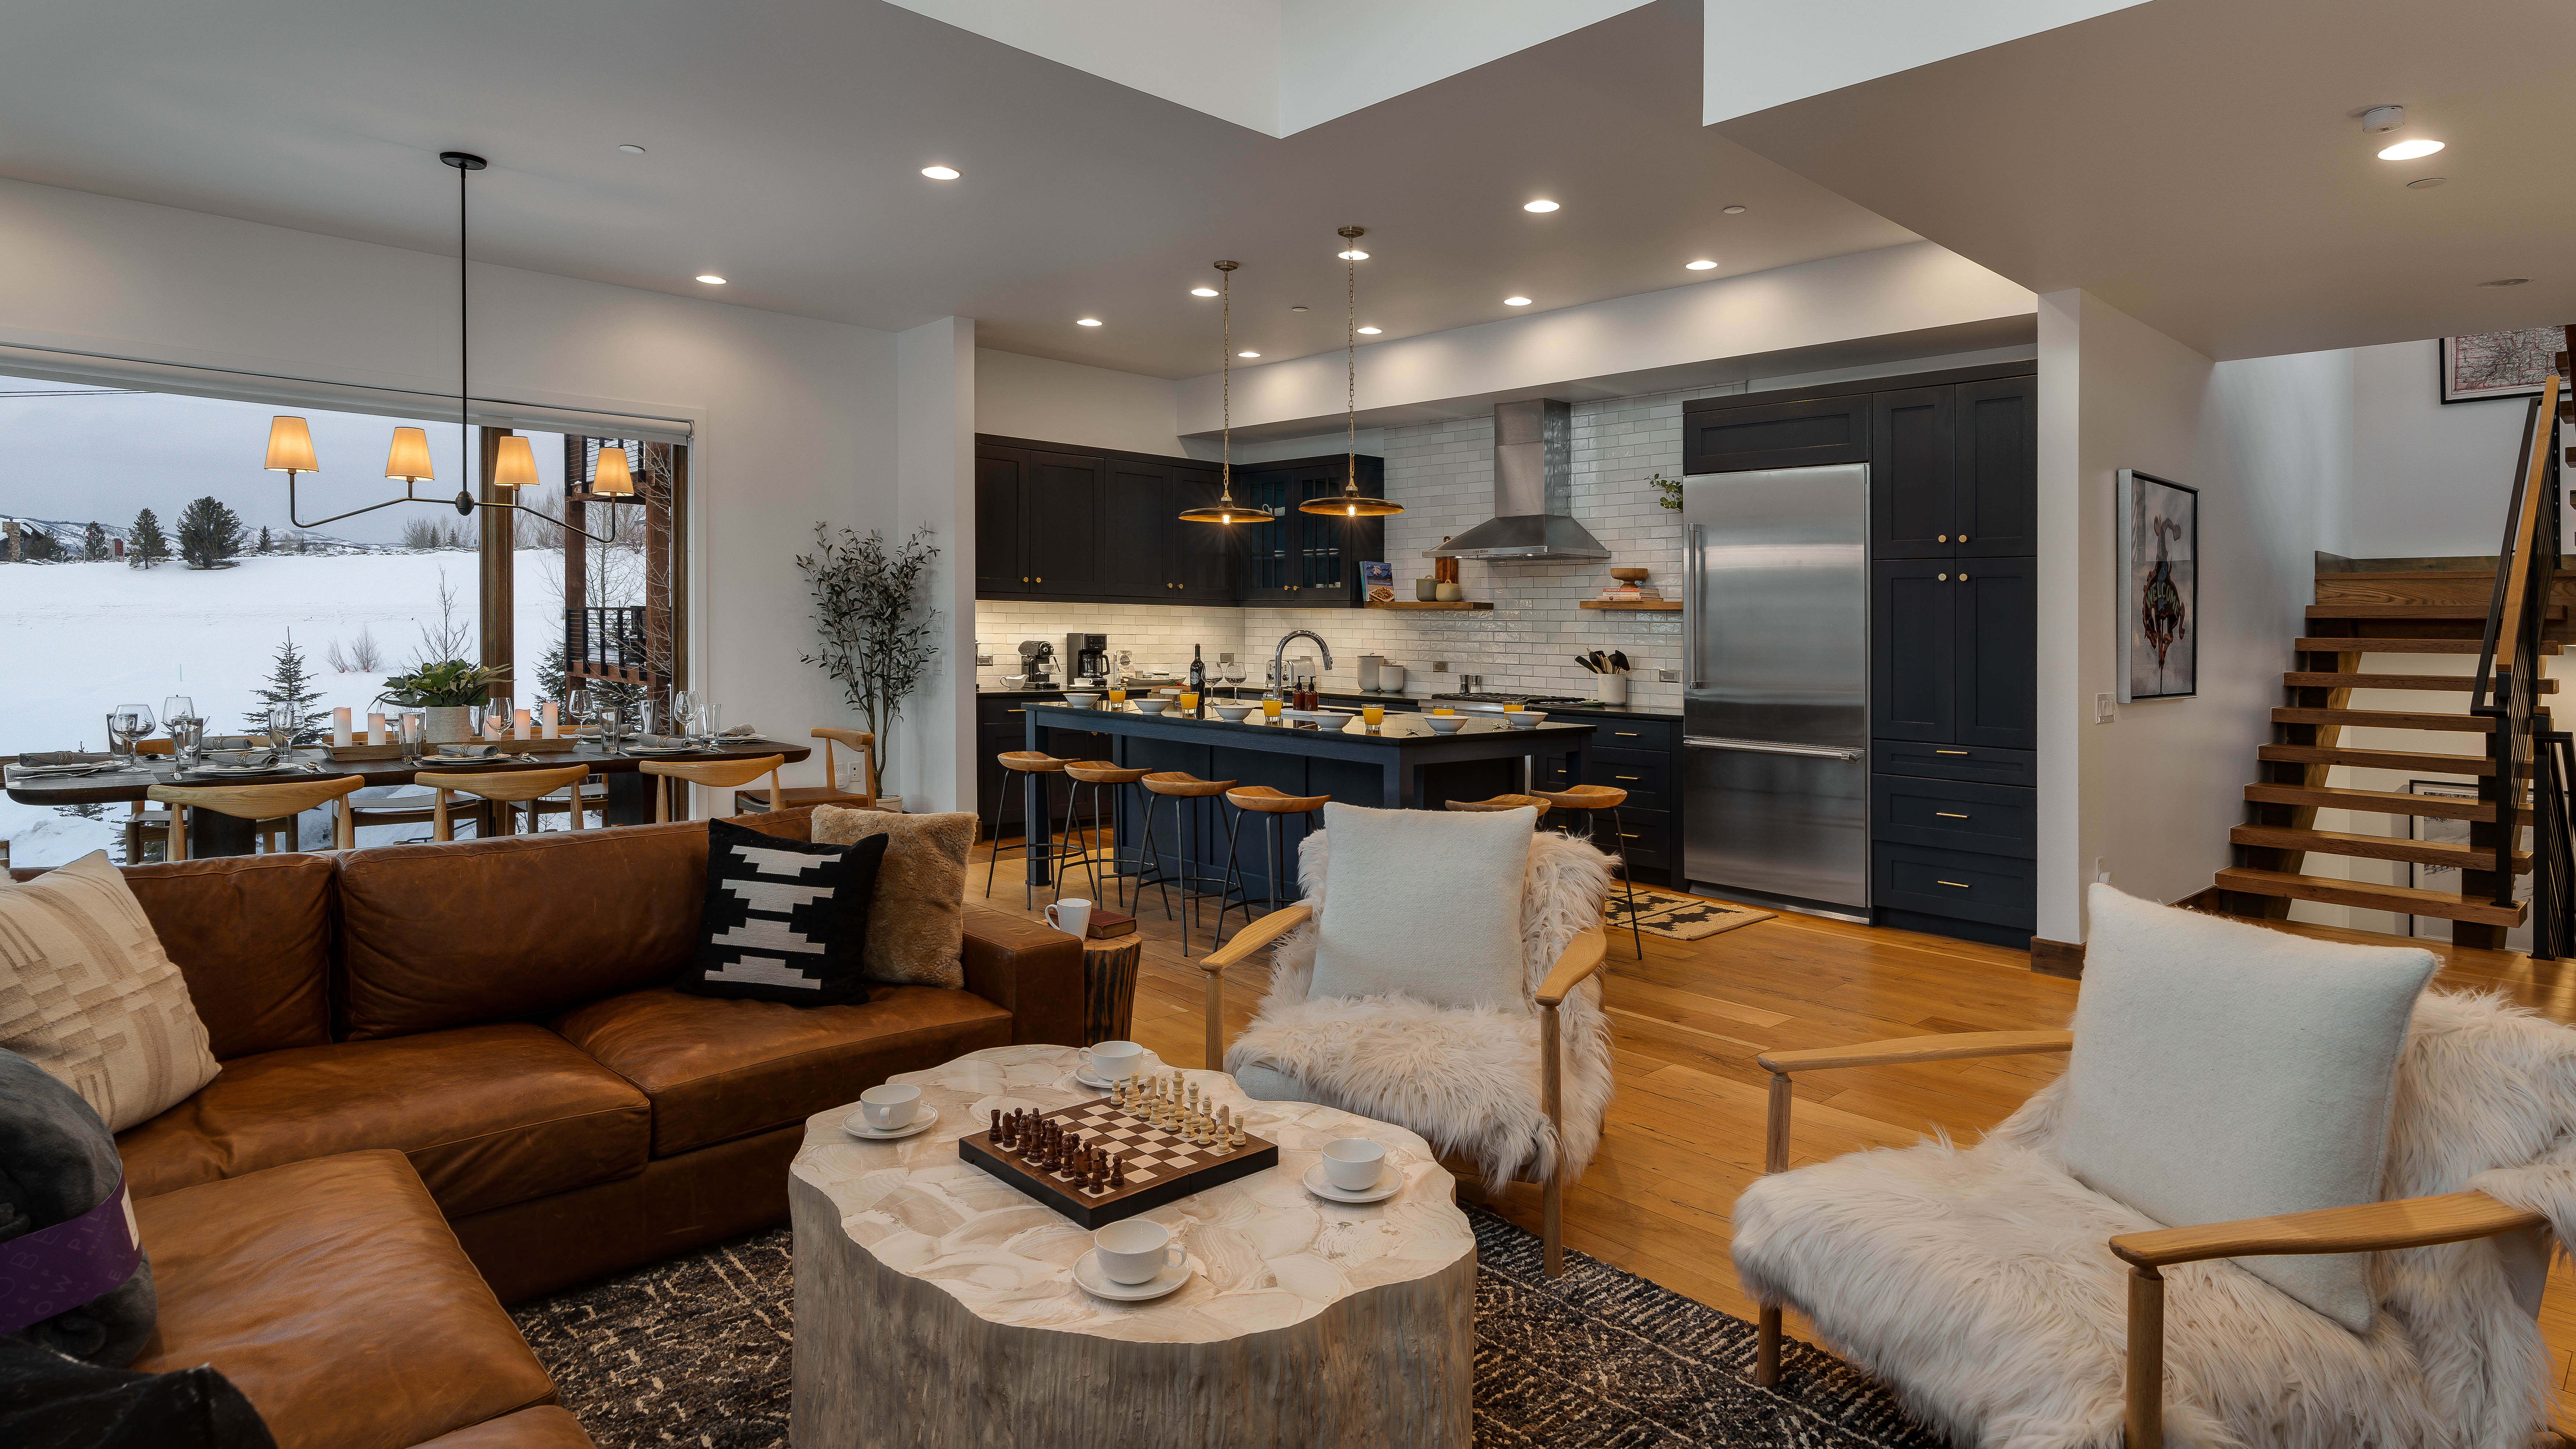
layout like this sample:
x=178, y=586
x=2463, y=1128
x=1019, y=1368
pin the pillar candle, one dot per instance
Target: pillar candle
x=340, y=725
x=376, y=729
x=554, y=719
x=519, y=726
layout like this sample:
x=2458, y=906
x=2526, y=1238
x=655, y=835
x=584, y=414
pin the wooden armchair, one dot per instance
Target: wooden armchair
x=502, y=787
x=715, y=775
x=263, y=803
x=829, y=792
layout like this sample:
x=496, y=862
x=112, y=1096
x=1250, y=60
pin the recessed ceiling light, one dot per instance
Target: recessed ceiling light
x=1702, y=265
x=1370, y=331
x=940, y=173
x=2505, y=282
x=2410, y=150
x=2425, y=183
x=631, y=149
x=1086, y=321
x=1301, y=309
x=1202, y=291
x=1538, y=206
x=1734, y=210
x=1247, y=354
x=1353, y=255
x=711, y=279
x=1516, y=301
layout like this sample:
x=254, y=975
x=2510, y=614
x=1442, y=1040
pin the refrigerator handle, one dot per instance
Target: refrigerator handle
x=1768, y=747
x=1693, y=605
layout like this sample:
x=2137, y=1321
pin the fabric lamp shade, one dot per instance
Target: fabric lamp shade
x=614, y=478
x=290, y=446
x=514, y=465
x=408, y=458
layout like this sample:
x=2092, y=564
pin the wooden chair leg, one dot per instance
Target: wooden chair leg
x=573, y=794
x=2146, y=1385
x=344, y=824
x=1215, y=1021
x=439, y=826
x=1775, y=1158
x=777, y=798
x=1551, y=1078
x=178, y=847
x=662, y=800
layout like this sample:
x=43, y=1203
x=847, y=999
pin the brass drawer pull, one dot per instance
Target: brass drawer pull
x=1627, y=777
x=1963, y=885
x=1625, y=734
x=1950, y=814
x=1628, y=835
x=1949, y=752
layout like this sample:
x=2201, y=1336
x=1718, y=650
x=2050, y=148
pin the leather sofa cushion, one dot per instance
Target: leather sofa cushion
x=544, y=1427
x=515, y=928
x=489, y=1115
x=252, y=936
x=334, y=1297
x=717, y=1069
x=1031, y=970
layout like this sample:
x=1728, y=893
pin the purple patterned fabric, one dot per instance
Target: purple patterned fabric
x=57, y=1269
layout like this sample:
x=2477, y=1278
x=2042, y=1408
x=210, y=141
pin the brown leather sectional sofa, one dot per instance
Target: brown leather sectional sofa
x=474, y=1037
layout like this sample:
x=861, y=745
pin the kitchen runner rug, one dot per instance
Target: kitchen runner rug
x=1677, y=917
x=694, y=1350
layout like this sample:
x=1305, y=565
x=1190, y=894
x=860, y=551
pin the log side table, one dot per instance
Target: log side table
x=1109, y=988
x=935, y=1305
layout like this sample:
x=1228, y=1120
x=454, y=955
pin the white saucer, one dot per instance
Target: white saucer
x=1084, y=1076
x=1390, y=1181
x=856, y=1124
x=1087, y=1275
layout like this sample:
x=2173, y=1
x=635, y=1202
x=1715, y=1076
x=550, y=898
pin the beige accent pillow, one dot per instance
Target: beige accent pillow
x=87, y=994
x=1425, y=902
x=917, y=924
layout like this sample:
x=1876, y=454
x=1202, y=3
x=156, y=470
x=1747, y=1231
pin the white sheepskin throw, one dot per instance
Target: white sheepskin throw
x=1978, y=1283
x=1466, y=1080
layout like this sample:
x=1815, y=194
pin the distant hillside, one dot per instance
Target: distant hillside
x=69, y=534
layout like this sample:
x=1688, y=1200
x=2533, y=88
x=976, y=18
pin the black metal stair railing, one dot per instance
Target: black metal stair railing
x=2522, y=743
x=609, y=636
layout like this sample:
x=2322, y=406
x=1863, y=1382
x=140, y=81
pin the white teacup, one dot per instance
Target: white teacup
x=1136, y=1250
x=889, y=1106
x=1112, y=1061
x=1071, y=916
x=1353, y=1163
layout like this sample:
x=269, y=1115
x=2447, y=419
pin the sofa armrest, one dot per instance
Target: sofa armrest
x=1030, y=970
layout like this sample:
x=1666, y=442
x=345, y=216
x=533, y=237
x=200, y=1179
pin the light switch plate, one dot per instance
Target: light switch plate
x=1439, y=666
x=984, y=659
x=2103, y=712
x=1668, y=676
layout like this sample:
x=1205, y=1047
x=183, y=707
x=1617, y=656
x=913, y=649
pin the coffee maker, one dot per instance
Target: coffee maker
x=1034, y=655
x=1086, y=658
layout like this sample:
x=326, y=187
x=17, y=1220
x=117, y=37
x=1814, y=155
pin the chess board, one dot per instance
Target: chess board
x=1162, y=1166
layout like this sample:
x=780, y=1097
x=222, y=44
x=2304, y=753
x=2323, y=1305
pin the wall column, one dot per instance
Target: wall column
x=935, y=489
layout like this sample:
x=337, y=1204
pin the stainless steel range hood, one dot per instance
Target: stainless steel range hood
x=1533, y=491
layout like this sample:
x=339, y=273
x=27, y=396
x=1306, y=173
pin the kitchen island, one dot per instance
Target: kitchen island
x=1400, y=764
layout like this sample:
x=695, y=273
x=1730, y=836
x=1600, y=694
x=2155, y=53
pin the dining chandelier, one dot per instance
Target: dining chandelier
x=514, y=463
x=1225, y=509
x=1351, y=502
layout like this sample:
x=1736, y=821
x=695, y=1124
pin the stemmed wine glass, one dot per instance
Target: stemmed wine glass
x=684, y=714
x=127, y=724
x=1235, y=674
x=577, y=705
x=283, y=726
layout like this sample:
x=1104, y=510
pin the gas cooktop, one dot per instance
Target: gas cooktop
x=1496, y=696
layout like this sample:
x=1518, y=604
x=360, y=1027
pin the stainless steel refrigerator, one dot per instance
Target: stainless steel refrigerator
x=1775, y=729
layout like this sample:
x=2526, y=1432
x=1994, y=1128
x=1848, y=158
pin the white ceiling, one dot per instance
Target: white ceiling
x=2200, y=165
x=785, y=139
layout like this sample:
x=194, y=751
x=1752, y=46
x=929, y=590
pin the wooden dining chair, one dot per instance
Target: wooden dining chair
x=715, y=775
x=281, y=801
x=502, y=787
x=830, y=791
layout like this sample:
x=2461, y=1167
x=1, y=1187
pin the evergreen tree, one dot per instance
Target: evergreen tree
x=37, y=546
x=209, y=533
x=144, y=542
x=94, y=543
x=289, y=684
x=263, y=538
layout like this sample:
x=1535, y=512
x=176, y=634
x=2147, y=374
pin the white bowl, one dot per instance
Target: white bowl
x=1522, y=719
x=1445, y=724
x=1151, y=704
x=1233, y=713
x=1082, y=701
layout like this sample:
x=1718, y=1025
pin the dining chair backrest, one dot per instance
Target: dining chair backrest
x=859, y=740
x=501, y=785
x=275, y=801
x=714, y=774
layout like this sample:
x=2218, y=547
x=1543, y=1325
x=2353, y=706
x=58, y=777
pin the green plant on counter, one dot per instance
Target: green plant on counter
x=1671, y=490
x=444, y=684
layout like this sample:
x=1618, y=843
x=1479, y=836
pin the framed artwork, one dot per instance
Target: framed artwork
x=2498, y=364
x=2159, y=523
x=2424, y=875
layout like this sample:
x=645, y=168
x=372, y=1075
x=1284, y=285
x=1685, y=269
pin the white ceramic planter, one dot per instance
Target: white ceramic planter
x=448, y=724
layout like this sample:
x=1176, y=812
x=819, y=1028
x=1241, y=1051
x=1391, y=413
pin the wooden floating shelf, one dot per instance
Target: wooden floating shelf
x=1458, y=606
x=1637, y=606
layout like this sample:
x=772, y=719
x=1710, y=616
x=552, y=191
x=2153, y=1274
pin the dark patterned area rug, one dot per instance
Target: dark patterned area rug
x=695, y=1351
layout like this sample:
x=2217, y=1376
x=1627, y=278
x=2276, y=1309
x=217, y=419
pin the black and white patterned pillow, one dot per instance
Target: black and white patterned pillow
x=786, y=920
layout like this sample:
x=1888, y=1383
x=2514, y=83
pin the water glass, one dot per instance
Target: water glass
x=415, y=732
x=282, y=724
x=476, y=716
x=711, y=722
x=612, y=722
x=187, y=740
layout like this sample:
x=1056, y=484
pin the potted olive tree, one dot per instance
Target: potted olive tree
x=443, y=692
x=876, y=631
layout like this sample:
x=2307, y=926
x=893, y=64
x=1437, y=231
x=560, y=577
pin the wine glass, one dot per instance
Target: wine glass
x=178, y=707
x=684, y=712
x=504, y=715
x=577, y=705
x=127, y=724
x=282, y=729
x=1235, y=674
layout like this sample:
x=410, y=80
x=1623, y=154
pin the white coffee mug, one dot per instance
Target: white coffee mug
x=1112, y=1061
x=889, y=1106
x=1075, y=917
x=1136, y=1250
x=1353, y=1163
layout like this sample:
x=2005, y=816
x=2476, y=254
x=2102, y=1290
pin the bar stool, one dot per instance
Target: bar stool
x=1177, y=786
x=1025, y=762
x=1098, y=776
x=1591, y=801
x=1500, y=803
x=1260, y=800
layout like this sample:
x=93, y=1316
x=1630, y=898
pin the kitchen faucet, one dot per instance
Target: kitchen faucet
x=1279, y=656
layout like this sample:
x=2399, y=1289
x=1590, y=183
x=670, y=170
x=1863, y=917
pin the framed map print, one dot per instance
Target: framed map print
x=2499, y=364
x=2159, y=524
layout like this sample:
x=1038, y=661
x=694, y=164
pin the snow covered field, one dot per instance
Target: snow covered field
x=76, y=639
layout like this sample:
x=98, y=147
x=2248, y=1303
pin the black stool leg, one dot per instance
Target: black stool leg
x=1232, y=884
x=993, y=833
x=1181, y=822
x=1162, y=878
x=1636, y=936
x=1278, y=829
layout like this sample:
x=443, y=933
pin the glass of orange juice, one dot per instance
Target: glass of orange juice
x=1443, y=710
x=1511, y=709
x=1270, y=709
x=1189, y=703
x=1373, y=714
x=1117, y=696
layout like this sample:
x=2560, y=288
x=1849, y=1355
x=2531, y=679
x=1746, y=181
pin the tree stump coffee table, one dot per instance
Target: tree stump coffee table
x=935, y=1304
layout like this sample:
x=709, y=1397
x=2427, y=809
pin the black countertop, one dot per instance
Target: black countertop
x=1401, y=729
x=1586, y=710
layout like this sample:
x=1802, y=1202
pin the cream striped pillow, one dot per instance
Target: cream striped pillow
x=87, y=994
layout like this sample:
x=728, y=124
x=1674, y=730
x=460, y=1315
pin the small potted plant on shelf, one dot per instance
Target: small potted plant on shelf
x=443, y=692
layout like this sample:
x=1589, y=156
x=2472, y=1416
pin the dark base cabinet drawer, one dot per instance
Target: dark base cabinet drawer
x=1647, y=834
x=1625, y=734
x=1642, y=773
x=1996, y=889
x=1953, y=815
x=1976, y=764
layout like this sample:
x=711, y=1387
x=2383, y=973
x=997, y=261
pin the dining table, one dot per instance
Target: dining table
x=210, y=833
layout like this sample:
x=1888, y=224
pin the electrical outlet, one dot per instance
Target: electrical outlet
x=2103, y=713
x=2101, y=872
x=1668, y=676
x=1439, y=666
x=984, y=660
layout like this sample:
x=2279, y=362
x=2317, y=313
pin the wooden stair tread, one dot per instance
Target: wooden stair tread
x=2415, y=611
x=2452, y=683
x=2374, y=644
x=2431, y=763
x=2386, y=719
x=2384, y=802
x=2407, y=900
x=2372, y=847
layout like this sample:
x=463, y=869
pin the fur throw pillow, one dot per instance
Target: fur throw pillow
x=49, y=1401
x=58, y=1162
x=87, y=993
x=917, y=927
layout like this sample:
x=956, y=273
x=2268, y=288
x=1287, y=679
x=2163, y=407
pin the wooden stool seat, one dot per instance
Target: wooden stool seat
x=1264, y=800
x=1103, y=772
x=1584, y=797
x=261, y=803
x=715, y=775
x=1497, y=804
x=1033, y=761
x=1185, y=785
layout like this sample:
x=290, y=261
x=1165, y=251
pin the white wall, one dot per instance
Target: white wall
x=933, y=742
x=1017, y=396
x=795, y=417
x=2428, y=480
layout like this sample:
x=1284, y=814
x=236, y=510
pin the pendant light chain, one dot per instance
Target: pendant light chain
x=1351, y=502
x=1225, y=509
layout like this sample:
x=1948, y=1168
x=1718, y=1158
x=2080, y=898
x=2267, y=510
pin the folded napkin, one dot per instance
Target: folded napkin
x=665, y=742
x=41, y=758
x=57, y=772
x=741, y=732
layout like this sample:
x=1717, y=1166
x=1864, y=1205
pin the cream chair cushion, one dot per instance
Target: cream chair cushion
x=2225, y=1071
x=1424, y=903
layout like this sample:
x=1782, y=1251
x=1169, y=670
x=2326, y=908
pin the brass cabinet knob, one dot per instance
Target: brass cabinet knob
x=1941, y=538
x=1963, y=538
x=1945, y=578
x=1963, y=578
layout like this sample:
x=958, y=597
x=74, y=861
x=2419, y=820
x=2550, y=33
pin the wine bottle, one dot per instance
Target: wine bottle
x=1198, y=681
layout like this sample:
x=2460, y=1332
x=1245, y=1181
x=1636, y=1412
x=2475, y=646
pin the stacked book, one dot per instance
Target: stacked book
x=1632, y=594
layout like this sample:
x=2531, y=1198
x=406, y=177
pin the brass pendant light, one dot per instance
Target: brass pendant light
x=1351, y=502
x=1225, y=509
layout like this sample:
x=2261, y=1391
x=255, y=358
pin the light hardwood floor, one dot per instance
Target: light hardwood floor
x=1685, y=1132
